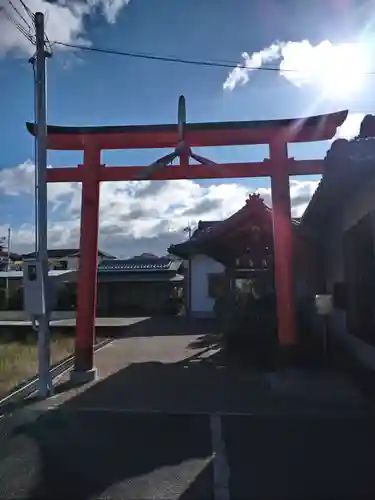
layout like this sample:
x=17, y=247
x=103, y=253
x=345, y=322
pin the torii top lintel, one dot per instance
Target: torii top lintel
x=314, y=128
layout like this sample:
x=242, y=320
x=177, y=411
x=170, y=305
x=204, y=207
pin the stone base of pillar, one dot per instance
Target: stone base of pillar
x=83, y=377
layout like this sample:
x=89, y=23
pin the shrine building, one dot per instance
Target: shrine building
x=221, y=254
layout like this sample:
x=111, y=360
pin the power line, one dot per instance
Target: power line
x=19, y=14
x=29, y=34
x=151, y=57
x=17, y=25
x=154, y=57
x=28, y=10
x=180, y=60
x=31, y=15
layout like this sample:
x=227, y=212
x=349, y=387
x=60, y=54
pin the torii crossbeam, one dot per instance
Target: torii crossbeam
x=92, y=140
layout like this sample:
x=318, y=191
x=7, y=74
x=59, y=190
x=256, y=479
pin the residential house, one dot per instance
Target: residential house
x=147, y=285
x=67, y=258
x=13, y=258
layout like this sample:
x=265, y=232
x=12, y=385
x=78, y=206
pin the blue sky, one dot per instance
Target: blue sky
x=87, y=88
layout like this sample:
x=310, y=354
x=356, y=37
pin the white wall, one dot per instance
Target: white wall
x=73, y=262
x=201, y=304
x=361, y=203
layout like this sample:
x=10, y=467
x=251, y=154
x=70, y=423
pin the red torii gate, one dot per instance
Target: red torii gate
x=92, y=140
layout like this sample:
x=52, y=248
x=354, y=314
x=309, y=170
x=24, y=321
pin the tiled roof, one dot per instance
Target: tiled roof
x=13, y=256
x=204, y=227
x=137, y=265
x=349, y=164
x=218, y=231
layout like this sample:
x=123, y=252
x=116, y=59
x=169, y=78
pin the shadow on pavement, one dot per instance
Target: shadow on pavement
x=169, y=325
x=294, y=458
x=93, y=454
x=88, y=447
x=144, y=432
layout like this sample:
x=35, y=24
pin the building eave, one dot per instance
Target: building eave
x=346, y=171
x=254, y=213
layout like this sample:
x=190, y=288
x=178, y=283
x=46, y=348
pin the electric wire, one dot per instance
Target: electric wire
x=18, y=25
x=19, y=14
x=180, y=60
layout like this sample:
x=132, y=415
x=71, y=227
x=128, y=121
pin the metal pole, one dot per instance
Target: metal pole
x=45, y=382
x=9, y=238
x=8, y=259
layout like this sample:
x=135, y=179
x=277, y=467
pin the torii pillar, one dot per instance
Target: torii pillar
x=283, y=245
x=84, y=369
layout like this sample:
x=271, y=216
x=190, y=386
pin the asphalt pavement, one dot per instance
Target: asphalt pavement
x=300, y=457
x=92, y=455
x=116, y=455
x=168, y=420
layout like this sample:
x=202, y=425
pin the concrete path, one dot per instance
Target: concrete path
x=169, y=419
x=71, y=322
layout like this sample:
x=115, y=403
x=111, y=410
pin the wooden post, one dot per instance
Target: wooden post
x=283, y=245
x=84, y=369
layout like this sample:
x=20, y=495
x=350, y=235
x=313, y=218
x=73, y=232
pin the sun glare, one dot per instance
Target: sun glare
x=341, y=69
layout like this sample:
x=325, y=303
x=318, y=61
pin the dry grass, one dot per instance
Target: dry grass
x=19, y=358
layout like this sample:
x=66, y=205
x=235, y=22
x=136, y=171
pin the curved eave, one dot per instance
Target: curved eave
x=260, y=214
x=183, y=250
x=314, y=128
x=335, y=187
x=227, y=231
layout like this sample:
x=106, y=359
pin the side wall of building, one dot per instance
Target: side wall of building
x=202, y=305
x=353, y=210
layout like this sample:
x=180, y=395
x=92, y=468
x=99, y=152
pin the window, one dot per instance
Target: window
x=61, y=265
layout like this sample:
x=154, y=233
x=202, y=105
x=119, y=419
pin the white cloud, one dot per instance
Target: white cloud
x=134, y=216
x=301, y=192
x=64, y=20
x=240, y=75
x=335, y=68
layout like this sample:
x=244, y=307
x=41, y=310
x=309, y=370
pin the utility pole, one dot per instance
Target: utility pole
x=39, y=61
x=8, y=265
